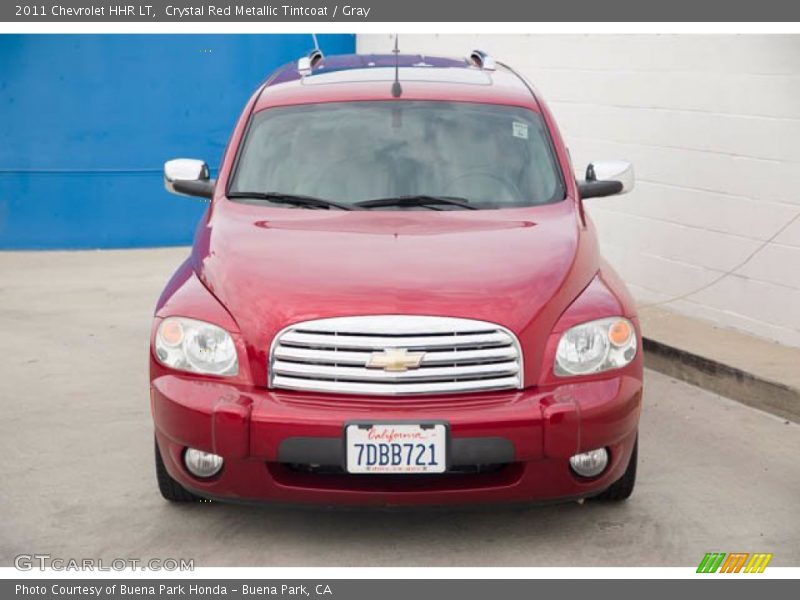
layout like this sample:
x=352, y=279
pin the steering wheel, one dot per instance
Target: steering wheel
x=508, y=186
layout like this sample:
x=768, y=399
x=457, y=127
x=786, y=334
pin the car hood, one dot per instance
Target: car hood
x=271, y=267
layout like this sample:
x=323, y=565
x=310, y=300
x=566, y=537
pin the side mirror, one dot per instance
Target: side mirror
x=607, y=178
x=188, y=177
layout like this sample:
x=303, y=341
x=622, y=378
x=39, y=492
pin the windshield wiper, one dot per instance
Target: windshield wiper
x=284, y=198
x=417, y=200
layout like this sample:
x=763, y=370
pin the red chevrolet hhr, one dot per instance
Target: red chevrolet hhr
x=395, y=297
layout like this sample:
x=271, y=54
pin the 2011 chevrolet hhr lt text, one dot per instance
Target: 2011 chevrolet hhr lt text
x=395, y=297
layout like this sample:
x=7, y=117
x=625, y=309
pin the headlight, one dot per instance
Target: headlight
x=196, y=346
x=595, y=346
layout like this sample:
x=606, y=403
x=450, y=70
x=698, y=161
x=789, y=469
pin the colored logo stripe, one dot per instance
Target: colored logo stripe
x=758, y=562
x=711, y=562
x=734, y=563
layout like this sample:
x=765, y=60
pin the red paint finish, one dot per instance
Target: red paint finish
x=536, y=271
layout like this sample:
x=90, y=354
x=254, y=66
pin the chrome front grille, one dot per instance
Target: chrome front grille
x=342, y=354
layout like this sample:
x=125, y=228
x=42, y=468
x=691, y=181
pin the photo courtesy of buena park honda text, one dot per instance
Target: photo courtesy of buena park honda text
x=436, y=299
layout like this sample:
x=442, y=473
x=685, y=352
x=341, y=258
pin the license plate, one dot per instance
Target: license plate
x=396, y=448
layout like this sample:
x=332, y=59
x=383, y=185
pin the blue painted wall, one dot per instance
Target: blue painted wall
x=86, y=122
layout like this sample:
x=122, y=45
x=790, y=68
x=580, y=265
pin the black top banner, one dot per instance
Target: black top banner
x=462, y=11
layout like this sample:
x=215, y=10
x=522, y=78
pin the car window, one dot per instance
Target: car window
x=494, y=156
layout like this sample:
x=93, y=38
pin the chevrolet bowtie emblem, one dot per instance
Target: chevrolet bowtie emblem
x=395, y=359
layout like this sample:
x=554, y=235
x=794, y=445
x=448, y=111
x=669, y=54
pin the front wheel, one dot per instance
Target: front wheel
x=169, y=488
x=623, y=487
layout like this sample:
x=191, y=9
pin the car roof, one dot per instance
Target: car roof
x=353, y=77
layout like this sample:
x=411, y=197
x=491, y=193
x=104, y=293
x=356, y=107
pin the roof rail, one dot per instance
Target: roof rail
x=482, y=60
x=306, y=63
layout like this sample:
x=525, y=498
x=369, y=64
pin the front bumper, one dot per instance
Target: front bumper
x=505, y=446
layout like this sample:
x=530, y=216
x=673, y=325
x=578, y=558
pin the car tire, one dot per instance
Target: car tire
x=623, y=487
x=169, y=488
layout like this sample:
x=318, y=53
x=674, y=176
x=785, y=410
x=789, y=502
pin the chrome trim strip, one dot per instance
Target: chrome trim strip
x=391, y=389
x=374, y=343
x=329, y=372
x=397, y=324
x=315, y=355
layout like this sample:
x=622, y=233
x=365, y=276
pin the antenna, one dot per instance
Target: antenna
x=316, y=43
x=397, y=89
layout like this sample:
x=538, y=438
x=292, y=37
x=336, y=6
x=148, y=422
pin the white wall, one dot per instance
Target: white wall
x=712, y=125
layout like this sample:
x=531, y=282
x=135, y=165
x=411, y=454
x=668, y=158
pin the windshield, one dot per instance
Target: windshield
x=490, y=156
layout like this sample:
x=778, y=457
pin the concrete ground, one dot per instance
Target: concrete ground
x=78, y=481
x=754, y=371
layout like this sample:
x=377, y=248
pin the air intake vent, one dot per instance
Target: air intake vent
x=395, y=355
